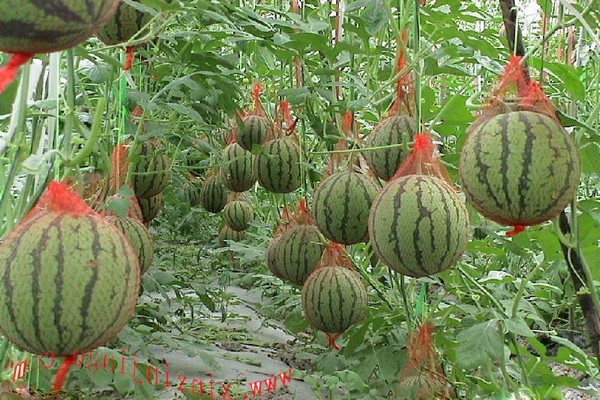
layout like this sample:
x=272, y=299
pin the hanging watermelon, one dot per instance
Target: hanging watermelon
x=31, y=27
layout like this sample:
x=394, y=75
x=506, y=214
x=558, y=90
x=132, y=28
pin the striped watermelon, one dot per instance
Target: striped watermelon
x=237, y=168
x=238, y=214
x=28, y=26
x=213, y=195
x=277, y=167
x=151, y=207
x=151, y=169
x=272, y=258
x=126, y=22
x=192, y=194
x=334, y=298
x=139, y=237
x=300, y=249
x=341, y=206
x=70, y=279
x=226, y=233
x=519, y=168
x=390, y=131
x=418, y=225
x=252, y=131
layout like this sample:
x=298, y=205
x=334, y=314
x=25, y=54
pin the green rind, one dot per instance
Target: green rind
x=300, y=250
x=151, y=169
x=226, y=233
x=238, y=215
x=253, y=131
x=277, y=167
x=237, y=169
x=139, y=237
x=341, y=206
x=47, y=26
x=418, y=225
x=334, y=298
x=192, y=194
x=213, y=196
x=520, y=168
x=272, y=258
x=125, y=24
x=68, y=284
x=151, y=207
x=390, y=131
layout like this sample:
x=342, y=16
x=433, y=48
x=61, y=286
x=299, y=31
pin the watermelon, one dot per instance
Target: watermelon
x=238, y=215
x=226, y=233
x=341, y=206
x=213, y=195
x=124, y=25
x=70, y=279
x=151, y=207
x=252, y=131
x=300, y=250
x=151, y=169
x=390, y=131
x=418, y=225
x=192, y=194
x=237, y=168
x=519, y=168
x=28, y=26
x=272, y=258
x=334, y=298
x=277, y=167
x=139, y=237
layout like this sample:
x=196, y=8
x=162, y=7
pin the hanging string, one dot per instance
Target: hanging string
x=63, y=372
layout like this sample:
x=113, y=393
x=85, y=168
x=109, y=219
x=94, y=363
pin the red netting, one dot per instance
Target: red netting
x=303, y=216
x=516, y=92
x=120, y=167
x=59, y=198
x=129, y=58
x=9, y=72
x=284, y=223
x=405, y=82
x=423, y=376
x=335, y=255
x=424, y=159
x=63, y=372
x=232, y=135
x=259, y=109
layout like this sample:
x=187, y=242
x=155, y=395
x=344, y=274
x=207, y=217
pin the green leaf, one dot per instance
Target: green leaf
x=480, y=344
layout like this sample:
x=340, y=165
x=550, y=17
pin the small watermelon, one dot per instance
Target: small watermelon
x=520, y=168
x=300, y=250
x=151, y=207
x=139, y=237
x=29, y=26
x=418, y=225
x=238, y=214
x=334, y=298
x=277, y=167
x=238, y=168
x=391, y=131
x=151, y=169
x=228, y=234
x=70, y=278
x=341, y=206
x=253, y=130
x=213, y=195
x=124, y=25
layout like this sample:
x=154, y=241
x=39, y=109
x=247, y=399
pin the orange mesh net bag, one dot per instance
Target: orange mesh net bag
x=388, y=142
x=423, y=378
x=518, y=166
